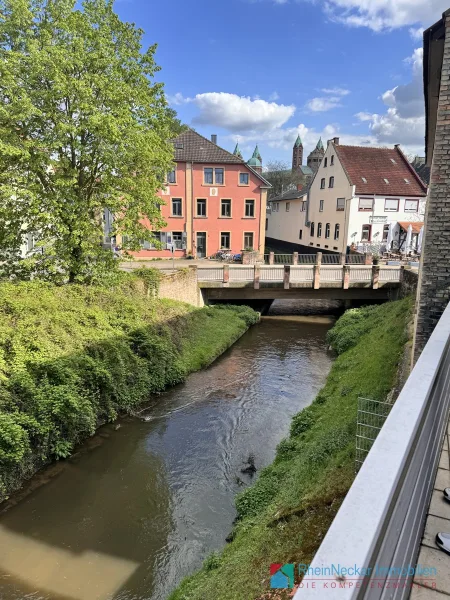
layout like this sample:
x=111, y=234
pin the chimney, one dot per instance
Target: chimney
x=214, y=139
x=299, y=187
x=336, y=141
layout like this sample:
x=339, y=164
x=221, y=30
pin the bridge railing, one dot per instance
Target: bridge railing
x=316, y=275
x=380, y=523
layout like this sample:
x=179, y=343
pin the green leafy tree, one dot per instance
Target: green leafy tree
x=83, y=128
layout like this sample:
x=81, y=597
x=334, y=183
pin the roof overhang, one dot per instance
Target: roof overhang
x=433, y=51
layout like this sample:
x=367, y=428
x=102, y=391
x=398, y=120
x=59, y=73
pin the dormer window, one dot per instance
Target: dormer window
x=325, y=162
x=386, y=180
x=407, y=180
x=364, y=179
x=393, y=161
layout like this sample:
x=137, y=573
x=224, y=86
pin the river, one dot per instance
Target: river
x=145, y=501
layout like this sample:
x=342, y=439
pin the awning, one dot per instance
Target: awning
x=416, y=225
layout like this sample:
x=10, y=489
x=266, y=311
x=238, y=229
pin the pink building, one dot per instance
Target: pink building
x=213, y=200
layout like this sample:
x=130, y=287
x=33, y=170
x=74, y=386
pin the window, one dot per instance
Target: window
x=385, y=233
x=225, y=208
x=177, y=238
x=278, y=206
x=319, y=229
x=300, y=234
x=393, y=161
x=218, y=176
x=411, y=206
x=406, y=180
x=325, y=162
x=225, y=240
x=332, y=160
x=312, y=229
x=177, y=207
x=340, y=204
x=243, y=179
x=201, y=207
x=327, y=230
x=386, y=181
x=365, y=204
x=331, y=182
x=213, y=176
x=160, y=237
x=288, y=206
x=320, y=205
x=267, y=224
x=366, y=233
x=249, y=208
x=172, y=176
x=391, y=205
x=336, y=231
x=208, y=175
x=364, y=180
x=248, y=240
x=322, y=184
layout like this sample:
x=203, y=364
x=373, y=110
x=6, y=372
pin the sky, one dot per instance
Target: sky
x=263, y=71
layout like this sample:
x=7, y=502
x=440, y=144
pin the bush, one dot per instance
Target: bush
x=73, y=357
x=303, y=421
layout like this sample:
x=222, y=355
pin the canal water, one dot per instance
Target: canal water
x=145, y=501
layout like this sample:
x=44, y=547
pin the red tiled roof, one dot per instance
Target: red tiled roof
x=377, y=164
x=416, y=226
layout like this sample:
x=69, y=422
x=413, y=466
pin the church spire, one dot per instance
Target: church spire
x=237, y=151
x=319, y=144
x=298, y=142
x=256, y=161
x=297, y=154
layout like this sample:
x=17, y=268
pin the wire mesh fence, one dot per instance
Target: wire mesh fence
x=370, y=419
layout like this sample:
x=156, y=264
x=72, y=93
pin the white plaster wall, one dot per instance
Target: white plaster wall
x=341, y=189
x=359, y=218
x=285, y=226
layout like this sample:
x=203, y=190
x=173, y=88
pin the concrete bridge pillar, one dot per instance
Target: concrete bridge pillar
x=317, y=271
x=271, y=258
x=256, y=277
x=295, y=258
x=226, y=273
x=287, y=276
x=375, y=276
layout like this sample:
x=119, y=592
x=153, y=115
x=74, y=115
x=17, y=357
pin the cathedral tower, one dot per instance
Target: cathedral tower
x=297, y=154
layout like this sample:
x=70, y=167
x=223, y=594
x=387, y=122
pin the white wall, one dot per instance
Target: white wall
x=330, y=214
x=286, y=225
x=359, y=218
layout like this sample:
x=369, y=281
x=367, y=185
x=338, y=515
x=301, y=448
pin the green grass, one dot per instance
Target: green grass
x=72, y=357
x=284, y=516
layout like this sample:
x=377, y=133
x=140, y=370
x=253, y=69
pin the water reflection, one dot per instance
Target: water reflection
x=130, y=518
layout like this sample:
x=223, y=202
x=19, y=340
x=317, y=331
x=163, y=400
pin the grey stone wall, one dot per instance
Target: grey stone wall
x=434, y=281
x=408, y=286
x=181, y=286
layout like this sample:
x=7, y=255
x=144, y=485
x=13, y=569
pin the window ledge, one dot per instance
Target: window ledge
x=225, y=217
x=176, y=217
x=249, y=218
x=201, y=217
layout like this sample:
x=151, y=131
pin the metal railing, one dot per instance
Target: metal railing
x=302, y=273
x=380, y=522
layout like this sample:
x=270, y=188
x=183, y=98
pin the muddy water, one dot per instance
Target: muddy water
x=143, y=504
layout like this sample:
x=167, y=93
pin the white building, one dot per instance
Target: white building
x=361, y=196
x=286, y=218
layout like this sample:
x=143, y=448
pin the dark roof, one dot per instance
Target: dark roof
x=377, y=164
x=422, y=170
x=190, y=146
x=291, y=195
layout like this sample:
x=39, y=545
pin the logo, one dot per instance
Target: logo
x=282, y=576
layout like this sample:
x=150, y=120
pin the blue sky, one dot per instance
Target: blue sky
x=261, y=71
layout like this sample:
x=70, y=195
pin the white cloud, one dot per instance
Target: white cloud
x=177, y=99
x=274, y=96
x=404, y=120
x=416, y=33
x=323, y=104
x=380, y=15
x=336, y=91
x=236, y=113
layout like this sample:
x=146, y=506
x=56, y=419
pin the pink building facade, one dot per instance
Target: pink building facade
x=213, y=201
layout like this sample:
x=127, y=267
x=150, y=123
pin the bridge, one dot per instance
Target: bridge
x=305, y=281
x=395, y=507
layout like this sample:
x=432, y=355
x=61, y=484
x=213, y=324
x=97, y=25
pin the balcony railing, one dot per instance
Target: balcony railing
x=381, y=520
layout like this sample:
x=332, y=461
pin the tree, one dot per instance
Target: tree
x=83, y=128
x=282, y=177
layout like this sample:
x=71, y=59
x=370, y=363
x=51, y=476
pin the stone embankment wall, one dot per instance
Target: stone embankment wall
x=181, y=286
x=409, y=283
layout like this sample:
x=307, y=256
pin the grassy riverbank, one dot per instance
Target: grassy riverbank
x=286, y=513
x=72, y=357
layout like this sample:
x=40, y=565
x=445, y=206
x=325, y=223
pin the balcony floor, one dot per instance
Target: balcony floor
x=438, y=519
